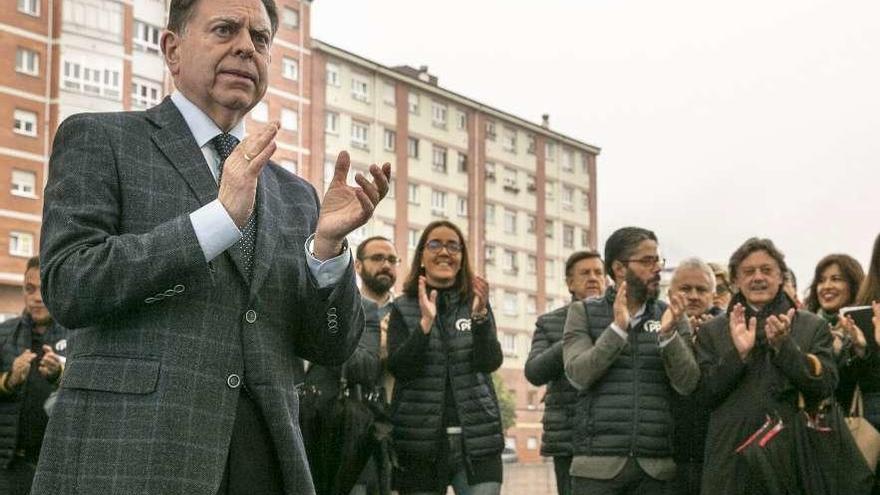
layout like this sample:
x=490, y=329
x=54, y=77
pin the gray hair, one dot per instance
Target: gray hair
x=696, y=264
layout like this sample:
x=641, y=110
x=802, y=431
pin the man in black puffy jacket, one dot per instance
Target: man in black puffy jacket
x=31, y=360
x=585, y=277
x=625, y=354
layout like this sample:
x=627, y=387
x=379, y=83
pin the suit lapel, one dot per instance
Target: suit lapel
x=178, y=144
x=268, y=202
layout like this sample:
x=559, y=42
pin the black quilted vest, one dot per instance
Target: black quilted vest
x=626, y=412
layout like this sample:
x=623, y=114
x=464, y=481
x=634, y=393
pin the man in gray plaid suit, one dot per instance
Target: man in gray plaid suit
x=194, y=274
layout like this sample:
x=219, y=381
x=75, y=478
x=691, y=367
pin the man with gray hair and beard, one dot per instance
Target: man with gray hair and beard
x=624, y=353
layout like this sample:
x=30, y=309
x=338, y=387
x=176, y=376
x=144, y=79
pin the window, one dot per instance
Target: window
x=490, y=171
x=24, y=123
x=27, y=62
x=510, y=263
x=531, y=187
x=510, y=303
x=532, y=443
x=585, y=164
x=490, y=130
x=93, y=76
x=438, y=203
x=531, y=399
x=360, y=89
x=24, y=184
x=531, y=144
x=146, y=37
x=331, y=123
x=531, y=305
x=412, y=147
x=509, y=221
x=145, y=94
x=289, y=165
x=462, y=120
x=508, y=344
x=511, y=181
x=550, y=268
x=567, y=161
x=388, y=95
x=568, y=236
x=549, y=232
x=531, y=264
x=585, y=238
x=290, y=68
x=438, y=159
x=567, y=197
x=21, y=244
x=390, y=193
x=462, y=209
x=413, y=237
x=550, y=190
x=490, y=214
x=289, y=119
x=333, y=75
x=413, y=101
x=462, y=162
x=95, y=18
x=30, y=7
x=549, y=151
x=585, y=200
x=509, y=139
x=360, y=135
x=413, y=194
x=531, y=224
x=438, y=115
x=260, y=112
x=490, y=254
x=390, y=139
x=290, y=18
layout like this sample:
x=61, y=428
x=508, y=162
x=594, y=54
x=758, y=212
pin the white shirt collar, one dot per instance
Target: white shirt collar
x=202, y=127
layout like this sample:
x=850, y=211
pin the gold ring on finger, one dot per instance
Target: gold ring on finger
x=247, y=157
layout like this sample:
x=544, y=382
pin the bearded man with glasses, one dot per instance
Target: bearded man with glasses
x=626, y=353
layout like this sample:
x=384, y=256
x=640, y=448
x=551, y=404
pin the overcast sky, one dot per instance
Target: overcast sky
x=717, y=120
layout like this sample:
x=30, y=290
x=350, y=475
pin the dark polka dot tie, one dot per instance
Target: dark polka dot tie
x=224, y=144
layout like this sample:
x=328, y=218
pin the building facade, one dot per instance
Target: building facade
x=524, y=195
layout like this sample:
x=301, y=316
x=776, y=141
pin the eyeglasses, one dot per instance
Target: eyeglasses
x=381, y=258
x=648, y=261
x=435, y=246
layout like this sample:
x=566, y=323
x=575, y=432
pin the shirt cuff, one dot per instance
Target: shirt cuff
x=618, y=331
x=665, y=342
x=214, y=229
x=327, y=272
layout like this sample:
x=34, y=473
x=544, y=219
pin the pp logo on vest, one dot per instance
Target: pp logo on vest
x=652, y=326
x=463, y=324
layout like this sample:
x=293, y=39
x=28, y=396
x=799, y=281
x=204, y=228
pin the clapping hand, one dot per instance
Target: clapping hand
x=856, y=335
x=743, y=334
x=50, y=364
x=621, y=311
x=481, y=295
x=345, y=207
x=672, y=315
x=427, y=305
x=778, y=328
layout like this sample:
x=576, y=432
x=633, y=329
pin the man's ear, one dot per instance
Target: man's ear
x=618, y=271
x=357, y=266
x=170, y=44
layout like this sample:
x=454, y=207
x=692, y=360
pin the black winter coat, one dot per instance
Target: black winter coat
x=544, y=366
x=15, y=337
x=456, y=352
x=741, y=394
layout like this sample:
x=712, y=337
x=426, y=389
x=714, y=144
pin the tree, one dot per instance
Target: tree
x=505, y=402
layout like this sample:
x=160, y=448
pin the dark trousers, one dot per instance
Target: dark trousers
x=252, y=465
x=18, y=477
x=632, y=480
x=561, y=465
x=688, y=477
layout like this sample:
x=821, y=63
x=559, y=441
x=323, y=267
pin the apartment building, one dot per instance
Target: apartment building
x=523, y=194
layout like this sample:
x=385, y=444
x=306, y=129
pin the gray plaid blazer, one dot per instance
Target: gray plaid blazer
x=161, y=339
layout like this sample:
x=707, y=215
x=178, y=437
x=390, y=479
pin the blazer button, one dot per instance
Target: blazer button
x=250, y=316
x=233, y=381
